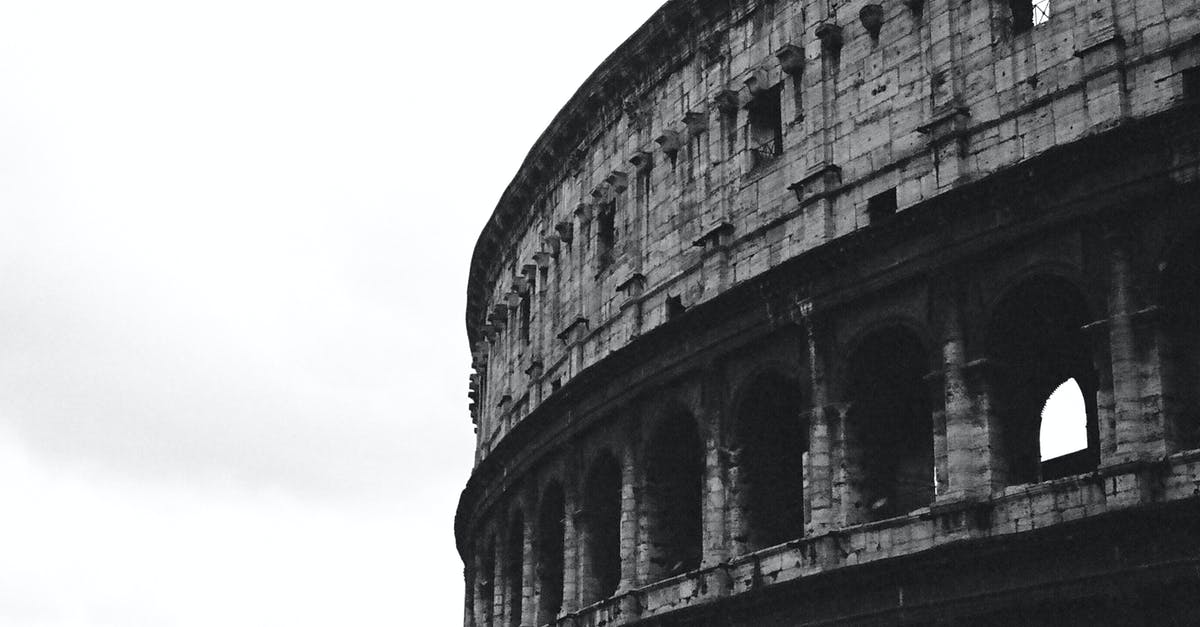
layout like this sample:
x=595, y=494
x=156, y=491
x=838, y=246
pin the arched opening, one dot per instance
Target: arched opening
x=1181, y=358
x=548, y=549
x=889, y=428
x=674, y=477
x=1038, y=344
x=601, y=530
x=514, y=569
x=770, y=439
x=487, y=583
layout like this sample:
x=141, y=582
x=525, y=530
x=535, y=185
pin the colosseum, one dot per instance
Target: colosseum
x=764, y=326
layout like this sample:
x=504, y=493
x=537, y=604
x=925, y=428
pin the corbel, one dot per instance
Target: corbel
x=565, y=232
x=642, y=161
x=618, y=181
x=830, y=35
x=552, y=242
x=791, y=59
x=726, y=101
x=535, y=368
x=670, y=142
x=574, y=331
x=719, y=235
x=756, y=83
x=542, y=258
x=696, y=121
x=512, y=299
x=583, y=211
x=871, y=17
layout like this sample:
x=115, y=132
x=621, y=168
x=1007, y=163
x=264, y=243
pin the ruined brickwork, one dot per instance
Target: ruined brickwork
x=763, y=327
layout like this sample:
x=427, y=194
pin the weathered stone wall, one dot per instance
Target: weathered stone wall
x=664, y=252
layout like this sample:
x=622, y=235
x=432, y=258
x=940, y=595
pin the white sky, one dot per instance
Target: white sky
x=233, y=259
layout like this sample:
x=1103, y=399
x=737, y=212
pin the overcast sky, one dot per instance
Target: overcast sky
x=233, y=257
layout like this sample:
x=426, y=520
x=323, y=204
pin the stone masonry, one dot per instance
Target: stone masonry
x=763, y=327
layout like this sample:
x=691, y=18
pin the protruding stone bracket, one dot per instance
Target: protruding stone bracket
x=726, y=101
x=542, y=257
x=505, y=400
x=583, y=212
x=756, y=82
x=915, y=6
x=512, y=299
x=718, y=236
x=535, y=368
x=618, y=181
x=529, y=270
x=819, y=182
x=791, y=59
x=633, y=286
x=871, y=16
x=642, y=161
x=696, y=122
x=950, y=123
x=601, y=193
x=566, y=233
x=670, y=142
x=831, y=38
x=521, y=283
x=1101, y=53
x=575, y=331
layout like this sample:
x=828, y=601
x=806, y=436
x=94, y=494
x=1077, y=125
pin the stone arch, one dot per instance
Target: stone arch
x=1036, y=342
x=514, y=567
x=674, y=475
x=888, y=428
x=548, y=552
x=600, y=528
x=1179, y=294
x=769, y=438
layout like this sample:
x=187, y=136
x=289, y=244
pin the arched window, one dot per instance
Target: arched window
x=601, y=530
x=889, y=428
x=548, y=549
x=770, y=439
x=1038, y=343
x=1181, y=358
x=514, y=569
x=674, y=477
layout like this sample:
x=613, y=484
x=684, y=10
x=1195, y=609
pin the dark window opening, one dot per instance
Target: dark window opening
x=674, y=477
x=1181, y=358
x=1191, y=84
x=601, y=530
x=770, y=443
x=1038, y=344
x=675, y=307
x=1028, y=13
x=525, y=315
x=641, y=189
x=729, y=124
x=549, y=554
x=606, y=234
x=766, y=126
x=889, y=430
x=515, y=569
x=798, y=97
x=881, y=206
x=555, y=385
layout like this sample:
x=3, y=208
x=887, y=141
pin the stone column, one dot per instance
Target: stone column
x=714, y=547
x=1136, y=438
x=528, y=572
x=479, y=604
x=570, y=600
x=499, y=587
x=844, y=509
x=818, y=465
x=973, y=464
x=469, y=593
x=629, y=520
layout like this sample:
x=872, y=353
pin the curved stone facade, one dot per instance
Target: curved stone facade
x=764, y=326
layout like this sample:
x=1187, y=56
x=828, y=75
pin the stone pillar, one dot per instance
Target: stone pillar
x=715, y=546
x=469, y=593
x=570, y=600
x=973, y=463
x=528, y=572
x=818, y=463
x=479, y=604
x=629, y=520
x=1136, y=437
x=844, y=504
x=499, y=587
x=941, y=455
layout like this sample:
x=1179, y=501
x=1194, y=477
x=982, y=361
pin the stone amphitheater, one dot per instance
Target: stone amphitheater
x=764, y=326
